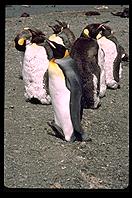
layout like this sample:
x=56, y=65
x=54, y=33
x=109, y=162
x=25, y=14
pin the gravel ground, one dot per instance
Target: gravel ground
x=35, y=159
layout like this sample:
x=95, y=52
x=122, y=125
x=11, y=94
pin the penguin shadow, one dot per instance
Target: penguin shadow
x=20, y=77
x=35, y=101
x=58, y=133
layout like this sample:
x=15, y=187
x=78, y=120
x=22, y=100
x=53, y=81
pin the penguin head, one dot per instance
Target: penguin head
x=58, y=50
x=66, y=35
x=38, y=36
x=106, y=31
x=92, y=30
x=59, y=40
x=63, y=24
x=22, y=39
x=27, y=36
x=56, y=28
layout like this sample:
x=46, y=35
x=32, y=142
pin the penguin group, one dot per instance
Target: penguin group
x=70, y=73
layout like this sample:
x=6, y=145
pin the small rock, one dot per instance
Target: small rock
x=63, y=167
x=26, y=6
x=92, y=13
x=11, y=107
x=25, y=14
x=56, y=185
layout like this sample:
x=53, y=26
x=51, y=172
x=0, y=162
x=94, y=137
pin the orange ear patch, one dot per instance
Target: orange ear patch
x=21, y=41
x=86, y=32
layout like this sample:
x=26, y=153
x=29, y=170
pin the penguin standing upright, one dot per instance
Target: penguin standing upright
x=113, y=55
x=65, y=91
x=35, y=65
x=109, y=34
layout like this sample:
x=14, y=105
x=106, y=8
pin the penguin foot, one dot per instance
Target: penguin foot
x=112, y=85
x=46, y=100
x=102, y=96
x=102, y=93
x=86, y=138
x=82, y=137
x=116, y=86
x=73, y=138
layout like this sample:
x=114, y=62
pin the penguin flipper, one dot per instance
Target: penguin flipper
x=68, y=66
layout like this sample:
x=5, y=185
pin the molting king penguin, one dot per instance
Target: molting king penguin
x=35, y=65
x=112, y=51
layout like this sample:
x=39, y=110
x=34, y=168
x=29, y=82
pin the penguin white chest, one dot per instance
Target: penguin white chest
x=60, y=96
x=110, y=52
x=35, y=64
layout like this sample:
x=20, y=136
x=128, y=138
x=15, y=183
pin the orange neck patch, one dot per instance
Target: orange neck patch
x=54, y=70
x=66, y=53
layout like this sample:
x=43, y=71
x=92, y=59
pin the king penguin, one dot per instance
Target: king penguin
x=65, y=91
x=113, y=54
